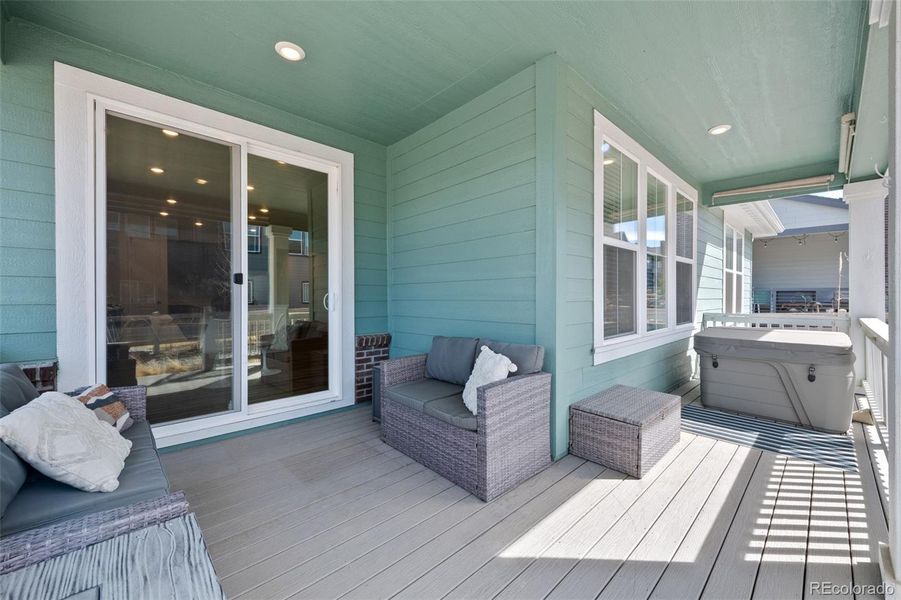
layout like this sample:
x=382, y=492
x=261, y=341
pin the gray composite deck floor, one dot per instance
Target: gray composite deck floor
x=323, y=509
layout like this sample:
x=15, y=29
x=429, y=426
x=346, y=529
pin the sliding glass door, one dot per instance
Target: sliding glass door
x=216, y=262
x=287, y=271
x=169, y=298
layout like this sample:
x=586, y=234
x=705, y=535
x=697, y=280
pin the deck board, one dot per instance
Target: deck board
x=323, y=509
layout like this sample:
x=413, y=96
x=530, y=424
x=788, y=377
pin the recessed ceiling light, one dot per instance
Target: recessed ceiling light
x=609, y=161
x=156, y=170
x=719, y=129
x=250, y=188
x=200, y=181
x=198, y=223
x=164, y=213
x=252, y=217
x=264, y=210
x=170, y=133
x=171, y=201
x=290, y=51
x=281, y=162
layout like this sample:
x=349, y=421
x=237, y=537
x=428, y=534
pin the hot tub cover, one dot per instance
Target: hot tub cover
x=802, y=346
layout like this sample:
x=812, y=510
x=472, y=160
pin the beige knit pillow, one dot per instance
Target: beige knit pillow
x=57, y=435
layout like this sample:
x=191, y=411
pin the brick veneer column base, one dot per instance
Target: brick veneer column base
x=371, y=349
x=42, y=375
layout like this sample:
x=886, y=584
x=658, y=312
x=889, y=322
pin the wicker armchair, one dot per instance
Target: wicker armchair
x=35, y=545
x=511, y=443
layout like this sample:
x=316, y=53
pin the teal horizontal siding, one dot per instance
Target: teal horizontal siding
x=660, y=368
x=461, y=222
x=710, y=261
x=27, y=263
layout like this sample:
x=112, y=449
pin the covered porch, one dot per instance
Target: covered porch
x=243, y=234
x=323, y=509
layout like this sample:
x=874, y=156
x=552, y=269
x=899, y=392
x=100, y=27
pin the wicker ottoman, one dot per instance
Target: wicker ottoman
x=625, y=428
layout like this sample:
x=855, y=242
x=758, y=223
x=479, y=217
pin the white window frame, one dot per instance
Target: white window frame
x=730, y=276
x=254, y=234
x=80, y=241
x=606, y=350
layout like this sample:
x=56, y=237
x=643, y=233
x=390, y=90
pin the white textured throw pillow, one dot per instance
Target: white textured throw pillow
x=60, y=437
x=490, y=367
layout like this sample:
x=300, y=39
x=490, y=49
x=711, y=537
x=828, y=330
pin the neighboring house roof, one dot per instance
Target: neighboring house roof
x=820, y=201
x=810, y=214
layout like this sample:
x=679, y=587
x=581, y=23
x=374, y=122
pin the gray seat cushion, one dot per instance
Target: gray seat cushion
x=12, y=472
x=528, y=358
x=43, y=501
x=451, y=359
x=15, y=388
x=415, y=394
x=452, y=410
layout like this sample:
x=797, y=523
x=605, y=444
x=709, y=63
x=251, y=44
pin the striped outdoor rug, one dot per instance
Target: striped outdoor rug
x=828, y=449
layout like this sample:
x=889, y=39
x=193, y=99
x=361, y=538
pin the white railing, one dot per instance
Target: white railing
x=838, y=321
x=875, y=376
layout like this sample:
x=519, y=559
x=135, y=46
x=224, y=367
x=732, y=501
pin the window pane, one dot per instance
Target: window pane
x=739, y=253
x=683, y=293
x=730, y=248
x=739, y=294
x=619, y=292
x=656, y=246
x=288, y=334
x=169, y=268
x=730, y=285
x=685, y=227
x=656, y=227
x=656, y=274
x=620, y=195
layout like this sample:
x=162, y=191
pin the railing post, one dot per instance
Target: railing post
x=890, y=558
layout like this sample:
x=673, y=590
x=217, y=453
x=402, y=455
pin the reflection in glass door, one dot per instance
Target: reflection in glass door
x=287, y=273
x=169, y=268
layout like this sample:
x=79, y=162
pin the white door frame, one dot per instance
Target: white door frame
x=80, y=241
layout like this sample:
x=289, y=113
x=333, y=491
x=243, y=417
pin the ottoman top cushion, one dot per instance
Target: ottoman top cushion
x=630, y=405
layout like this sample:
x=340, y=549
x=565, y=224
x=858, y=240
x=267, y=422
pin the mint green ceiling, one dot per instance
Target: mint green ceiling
x=781, y=72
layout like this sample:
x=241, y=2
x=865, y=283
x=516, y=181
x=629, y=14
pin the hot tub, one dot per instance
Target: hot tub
x=796, y=375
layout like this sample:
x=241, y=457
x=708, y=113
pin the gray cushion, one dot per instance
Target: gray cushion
x=527, y=357
x=452, y=410
x=415, y=394
x=15, y=388
x=12, y=472
x=43, y=501
x=451, y=359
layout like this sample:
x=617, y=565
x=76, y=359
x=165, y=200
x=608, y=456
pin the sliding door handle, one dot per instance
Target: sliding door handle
x=325, y=302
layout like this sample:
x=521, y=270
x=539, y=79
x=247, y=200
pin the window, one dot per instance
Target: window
x=305, y=292
x=299, y=243
x=685, y=259
x=733, y=267
x=253, y=238
x=644, y=247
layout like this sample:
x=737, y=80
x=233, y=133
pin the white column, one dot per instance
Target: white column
x=279, y=283
x=866, y=254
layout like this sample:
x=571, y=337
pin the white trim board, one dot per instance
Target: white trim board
x=76, y=94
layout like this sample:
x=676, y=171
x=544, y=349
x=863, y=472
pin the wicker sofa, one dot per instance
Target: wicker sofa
x=507, y=441
x=43, y=518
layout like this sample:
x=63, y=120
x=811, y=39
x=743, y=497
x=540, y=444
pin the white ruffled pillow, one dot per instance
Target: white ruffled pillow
x=490, y=367
x=60, y=437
